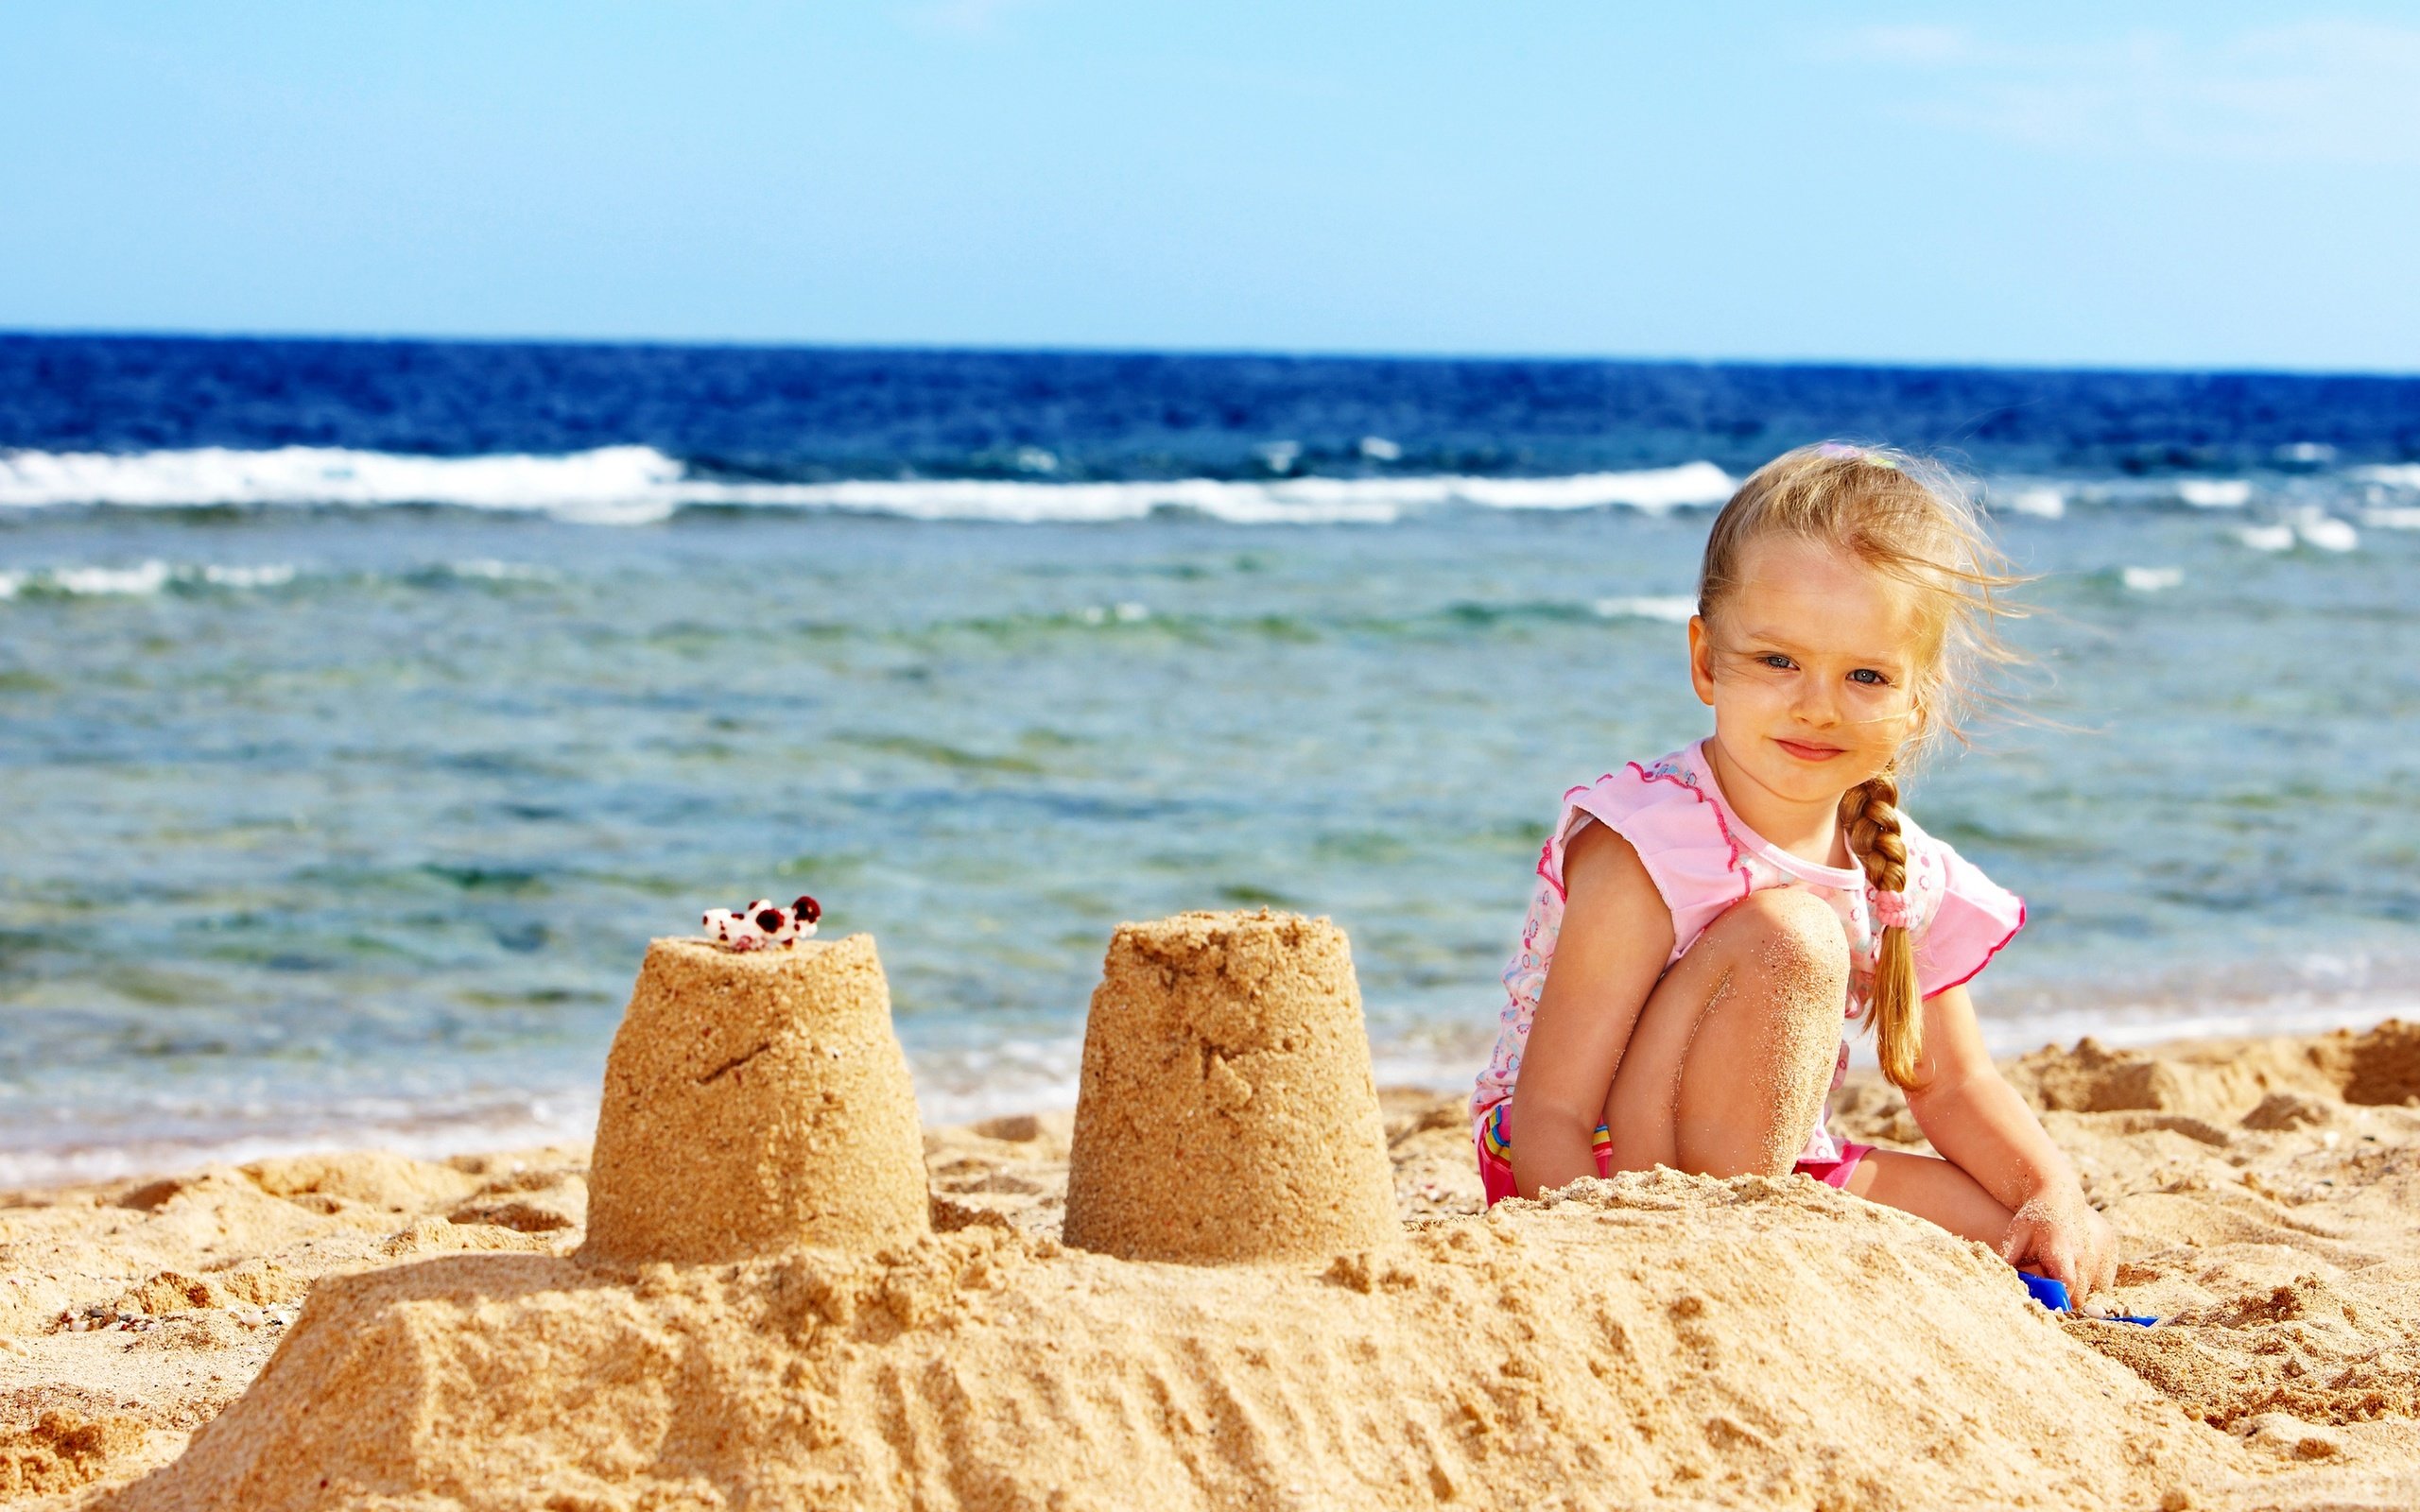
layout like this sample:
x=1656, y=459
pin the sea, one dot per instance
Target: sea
x=366, y=706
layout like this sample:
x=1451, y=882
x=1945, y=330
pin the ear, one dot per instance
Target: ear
x=1701, y=660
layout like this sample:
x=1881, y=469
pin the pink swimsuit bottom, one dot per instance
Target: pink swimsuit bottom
x=1496, y=1166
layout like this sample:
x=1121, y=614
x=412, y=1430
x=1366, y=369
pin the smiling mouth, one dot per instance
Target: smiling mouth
x=1807, y=752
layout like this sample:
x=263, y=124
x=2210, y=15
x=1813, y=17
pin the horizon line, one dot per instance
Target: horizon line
x=1281, y=354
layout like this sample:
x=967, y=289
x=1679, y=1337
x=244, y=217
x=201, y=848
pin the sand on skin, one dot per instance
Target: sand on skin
x=2269, y=1216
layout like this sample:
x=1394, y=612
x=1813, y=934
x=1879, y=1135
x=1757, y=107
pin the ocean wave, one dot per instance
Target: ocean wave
x=140, y=581
x=631, y=484
x=1672, y=609
x=2214, y=494
x=109, y=1151
x=2393, y=475
x=489, y=570
x=2312, y=527
x=2124, y=1025
x=144, y=580
x=2043, y=503
x=2325, y=532
x=609, y=481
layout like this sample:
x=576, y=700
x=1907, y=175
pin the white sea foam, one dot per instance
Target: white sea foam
x=490, y=570
x=2394, y=475
x=2214, y=494
x=1653, y=489
x=2393, y=518
x=2041, y=503
x=322, y=475
x=1672, y=609
x=142, y=580
x=1122, y=613
x=268, y=575
x=2310, y=526
x=632, y=485
x=2151, y=579
x=434, y=1132
x=2127, y=1025
x=2325, y=532
x=1301, y=501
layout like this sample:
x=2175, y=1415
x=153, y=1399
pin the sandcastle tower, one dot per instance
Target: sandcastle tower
x=756, y=1103
x=1227, y=1111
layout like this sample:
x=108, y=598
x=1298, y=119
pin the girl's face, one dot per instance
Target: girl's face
x=1811, y=667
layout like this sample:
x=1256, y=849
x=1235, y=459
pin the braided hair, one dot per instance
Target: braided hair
x=1870, y=820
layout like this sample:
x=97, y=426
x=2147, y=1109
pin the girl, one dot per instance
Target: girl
x=1700, y=922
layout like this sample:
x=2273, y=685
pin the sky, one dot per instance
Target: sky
x=2148, y=185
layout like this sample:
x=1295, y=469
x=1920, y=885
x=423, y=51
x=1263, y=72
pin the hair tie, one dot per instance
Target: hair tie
x=1891, y=909
x=1842, y=451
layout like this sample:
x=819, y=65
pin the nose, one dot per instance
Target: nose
x=1818, y=703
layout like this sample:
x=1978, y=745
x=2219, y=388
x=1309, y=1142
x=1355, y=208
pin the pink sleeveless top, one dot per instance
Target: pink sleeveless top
x=1702, y=860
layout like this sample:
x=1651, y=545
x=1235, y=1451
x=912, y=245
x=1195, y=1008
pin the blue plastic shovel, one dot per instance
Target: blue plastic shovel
x=2052, y=1294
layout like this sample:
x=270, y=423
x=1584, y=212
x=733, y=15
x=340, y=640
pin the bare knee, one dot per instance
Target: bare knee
x=1785, y=946
x=1727, y=1068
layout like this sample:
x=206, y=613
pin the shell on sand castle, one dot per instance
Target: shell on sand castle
x=1227, y=1111
x=756, y=1103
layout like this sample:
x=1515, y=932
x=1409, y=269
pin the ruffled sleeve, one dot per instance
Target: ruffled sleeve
x=1677, y=831
x=1975, y=918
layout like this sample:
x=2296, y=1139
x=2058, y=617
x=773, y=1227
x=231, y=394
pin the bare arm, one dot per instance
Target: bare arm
x=1616, y=936
x=1976, y=1120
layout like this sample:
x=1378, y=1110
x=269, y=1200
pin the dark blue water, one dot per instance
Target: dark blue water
x=808, y=414
x=364, y=707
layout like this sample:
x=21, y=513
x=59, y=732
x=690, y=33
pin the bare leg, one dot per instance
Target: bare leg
x=1728, y=1065
x=1934, y=1189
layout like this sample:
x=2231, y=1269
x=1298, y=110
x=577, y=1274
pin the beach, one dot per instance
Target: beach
x=1754, y=1333
x=363, y=705
x=817, y=758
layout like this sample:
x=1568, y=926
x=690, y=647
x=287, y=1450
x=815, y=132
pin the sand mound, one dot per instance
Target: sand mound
x=375, y=1179
x=2382, y=1066
x=755, y=1102
x=1227, y=1111
x=2306, y=1349
x=1724, y=1328
x=2379, y=1066
x=1653, y=1338
x=66, y=1450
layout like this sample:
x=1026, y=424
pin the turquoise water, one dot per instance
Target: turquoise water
x=346, y=826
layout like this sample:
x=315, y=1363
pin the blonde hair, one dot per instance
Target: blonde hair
x=1915, y=521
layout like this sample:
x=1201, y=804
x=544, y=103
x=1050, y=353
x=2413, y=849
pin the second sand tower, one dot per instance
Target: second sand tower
x=1227, y=1111
x=756, y=1103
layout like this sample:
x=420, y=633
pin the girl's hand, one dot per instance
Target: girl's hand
x=2058, y=1233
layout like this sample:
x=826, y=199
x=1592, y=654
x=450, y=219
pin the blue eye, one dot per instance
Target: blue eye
x=1869, y=677
x=1777, y=660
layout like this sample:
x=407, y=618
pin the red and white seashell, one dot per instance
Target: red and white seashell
x=763, y=924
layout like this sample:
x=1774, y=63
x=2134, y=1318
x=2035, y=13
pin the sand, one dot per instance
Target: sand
x=1655, y=1339
x=755, y=1102
x=1226, y=1111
